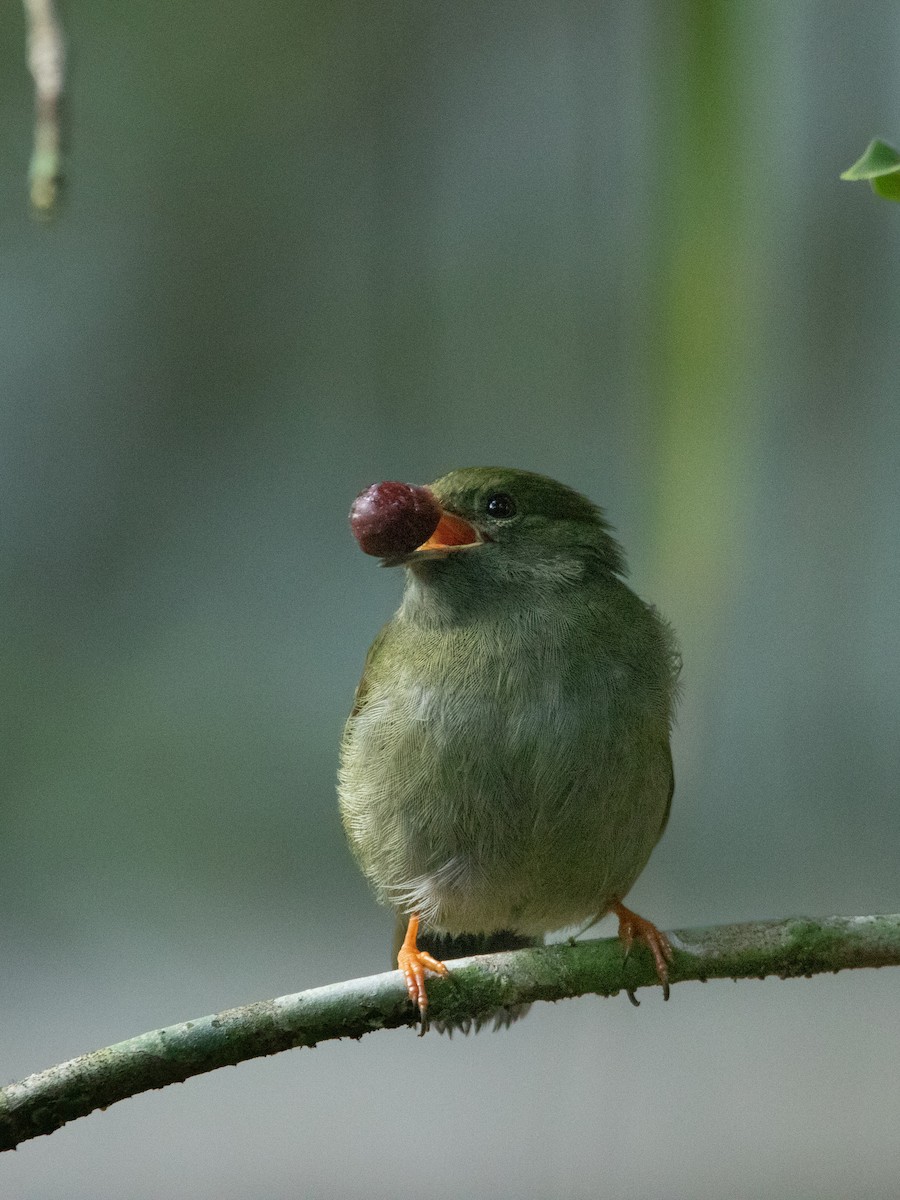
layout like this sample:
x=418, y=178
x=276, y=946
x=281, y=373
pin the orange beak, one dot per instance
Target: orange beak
x=451, y=532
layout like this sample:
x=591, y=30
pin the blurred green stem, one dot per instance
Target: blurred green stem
x=476, y=989
x=709, y=302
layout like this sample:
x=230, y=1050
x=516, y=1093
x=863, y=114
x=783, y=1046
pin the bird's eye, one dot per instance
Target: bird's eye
x=500, y=505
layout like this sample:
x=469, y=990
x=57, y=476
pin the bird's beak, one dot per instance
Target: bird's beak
x=452, y=533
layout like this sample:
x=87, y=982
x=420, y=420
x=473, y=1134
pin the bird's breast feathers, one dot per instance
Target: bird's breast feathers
x=490, y=790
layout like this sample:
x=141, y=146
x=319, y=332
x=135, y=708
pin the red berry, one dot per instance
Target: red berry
x=393, y=518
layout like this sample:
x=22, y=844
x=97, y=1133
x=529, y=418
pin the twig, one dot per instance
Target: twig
x=46, y=61
x=476, y=989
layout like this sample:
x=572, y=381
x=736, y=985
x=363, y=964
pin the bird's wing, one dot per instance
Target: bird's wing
x=665, y=820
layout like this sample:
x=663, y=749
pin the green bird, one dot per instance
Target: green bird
x=506, y=770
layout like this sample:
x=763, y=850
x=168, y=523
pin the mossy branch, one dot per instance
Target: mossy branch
x=475, y=990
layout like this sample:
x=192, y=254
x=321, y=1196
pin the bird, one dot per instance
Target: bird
x=506, y=771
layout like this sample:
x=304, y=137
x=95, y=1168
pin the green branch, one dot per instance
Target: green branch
x=46, y=61
x=475, y=990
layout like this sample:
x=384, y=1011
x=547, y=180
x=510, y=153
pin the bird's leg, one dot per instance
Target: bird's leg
x=632, y=926
x=413, y=963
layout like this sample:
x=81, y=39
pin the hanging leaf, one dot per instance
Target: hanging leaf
x=881, y=166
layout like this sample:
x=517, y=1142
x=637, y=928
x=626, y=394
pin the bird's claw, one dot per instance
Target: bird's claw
x=632, y=928
x=413, y=964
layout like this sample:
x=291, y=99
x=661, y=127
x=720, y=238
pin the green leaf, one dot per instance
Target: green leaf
x=888, y=186
x=880, y=165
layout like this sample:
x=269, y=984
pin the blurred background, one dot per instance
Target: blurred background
x=306, y=247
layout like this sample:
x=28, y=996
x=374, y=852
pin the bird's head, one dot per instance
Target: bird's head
x=515, y=525
x=491, y=527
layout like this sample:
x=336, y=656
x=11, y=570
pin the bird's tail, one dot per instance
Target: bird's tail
x=463, y=945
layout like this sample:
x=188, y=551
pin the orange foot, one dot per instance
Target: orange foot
x=414, y=962
x=632, y=926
